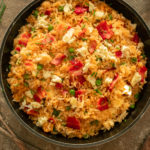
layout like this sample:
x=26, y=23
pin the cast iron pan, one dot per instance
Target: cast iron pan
x=103, y=137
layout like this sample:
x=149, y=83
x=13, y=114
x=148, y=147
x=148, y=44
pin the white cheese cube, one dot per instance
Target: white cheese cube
x=99, y=14
x=41, y=121
x=46, y=74
x=56, y=79
x=127, y=90
x=91, y=80
x=35, y=105
x=29, y=94
x=73, y=102
x=67, y=8
x=136, y=78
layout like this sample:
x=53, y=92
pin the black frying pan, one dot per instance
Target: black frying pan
x=103, y=137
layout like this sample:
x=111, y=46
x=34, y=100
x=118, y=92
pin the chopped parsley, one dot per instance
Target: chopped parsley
x=143, y=55
x=61, y=8
x=35, y=13
x=56, y=112
x=26, y=84
x=26, y=76
x=94, y=13
x=112, y=41
x=68, y=107
x=134, y=59
x=93, y=74
x=94, y=122
x=33, y=29
x=39, y=67
x=136, y=96
x=9, y=66
x=122, y=63
x=110, y=16
x=71, y=57
x=84, y=39
x=132, y=106
x=71, y=50
x=86, y=18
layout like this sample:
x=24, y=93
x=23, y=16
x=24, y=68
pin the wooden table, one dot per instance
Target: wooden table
x=132, y=140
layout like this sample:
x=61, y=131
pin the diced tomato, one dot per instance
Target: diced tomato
x=40, y=94
x=28, y=62
x=47, y=12
x=81, y=79
x=72, y=122
x=48, y=40
x=26, y=35
x=18, y=49
x=80, y=21
x=142, y=72
x=114, y=82
x=118, y=54
x=58, y=59
x=76, y=65
x=32, y=112
x=104, y=30
x=24, y=43
x=92, y=46
x=77, y=93
x=103, y=104
x=58, y=85
x=69, y=27
x=51, y=120
x=80, y=10
x=82, y=34
x=135, y=38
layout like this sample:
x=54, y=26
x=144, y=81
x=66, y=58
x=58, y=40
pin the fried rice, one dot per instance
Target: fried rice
x=77, y=67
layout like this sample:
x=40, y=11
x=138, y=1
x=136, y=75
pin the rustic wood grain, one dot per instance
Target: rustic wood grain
x=129, y=141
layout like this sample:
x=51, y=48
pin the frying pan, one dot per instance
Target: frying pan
x=102, y=137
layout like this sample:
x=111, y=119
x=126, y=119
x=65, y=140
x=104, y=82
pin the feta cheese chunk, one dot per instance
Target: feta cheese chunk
x=83, y=51
x=41, y=121
x=86, y=66
x=67, y=8
x=73, y=102
x=56, y=79
x=91, y=80
x=46, y=74
x=35, y=105
x=127, y=90
x=41, y=22
x=90, y=29
x=136, y=78
x=125, y=51
x=43, y=58
x=68, y=37
x=108, y=80
x=29, y=94
x=99, y=14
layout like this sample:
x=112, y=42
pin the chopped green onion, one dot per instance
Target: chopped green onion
x=61, y=8
x=86, y=18
x=56, y=112
x=50, y=28
x=94, y=122
x=83, y=27
x=134, y=59
x=125, y=120
x=94, y=13
x=87, y=4
x=71, y=57
x=86, y=136
x=110, y=16
x=84, y=39
x=132, y=106
x=71, y=50
x=39, y=67
x=117, y=47
x=136, y=96
x=35, y=13
x=63, y=124
x=26, y=76
x=68, y=107
x=26, y=84
x=93, y=74
x=98, y=82
x=123, y=63
x=72, y=92
x=112, y=41
x=143, y=55
x=33, y=29
x=113, y=65
x=97, y=91
x=42, y=15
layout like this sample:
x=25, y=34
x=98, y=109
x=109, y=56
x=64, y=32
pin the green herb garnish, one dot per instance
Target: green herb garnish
x=143, y=55
x=72, y=92
x=97, y=91
x=136, y=96
x=35, y=13
x=83, y=27
x=98, y=82
x=50, y=28
x=26, y=76
x=112, y=41
x=134, y=59
x=68, y=108
x=33, y=29
x=110, y=16
x=84, y=39
x=61, y=8
x=93, y=74
x=86, y=136
x=132, y=106
x=26, y=84
x=56, y=112
x=39, y=67
x=71, y=50
x=94, y=122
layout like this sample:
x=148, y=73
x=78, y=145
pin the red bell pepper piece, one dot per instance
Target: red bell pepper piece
x=24, y=43
x=92, y=46
x=81, y=79
x=142, y=72
x=32, y=112
x=105, y=30
x=114, y=82
x=118, y=54
x=77, y=93
x=82, y=34
x=80, y=10
x=103, y=104
x=18, y=49
x=28, y=62
x=135, y=38
x=26, y=35
x=40, y=94
x=76, y=65
x=58, y=59
x=51, y=120
x=72, y=122
x=58, y=85
x=47, y=12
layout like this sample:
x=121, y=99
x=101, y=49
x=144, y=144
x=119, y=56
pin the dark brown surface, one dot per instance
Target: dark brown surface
x=132, y=140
